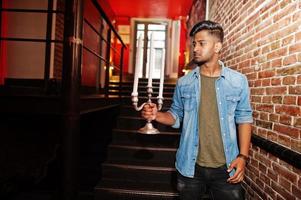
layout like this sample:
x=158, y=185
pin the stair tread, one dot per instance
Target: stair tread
x=139, y=174
x=132, y=137
x=155, y=157
x=153, y=188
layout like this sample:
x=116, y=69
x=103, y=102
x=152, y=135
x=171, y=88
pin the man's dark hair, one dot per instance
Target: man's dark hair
x=212, y=27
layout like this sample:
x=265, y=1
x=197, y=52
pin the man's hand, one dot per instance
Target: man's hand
x=149, y=111
x=240, y=165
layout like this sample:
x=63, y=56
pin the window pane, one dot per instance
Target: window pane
x=140, y=27
x=27, y=25
x=25, y=59
x=156, y=27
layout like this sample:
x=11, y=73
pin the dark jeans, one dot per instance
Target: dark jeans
x=210, y=180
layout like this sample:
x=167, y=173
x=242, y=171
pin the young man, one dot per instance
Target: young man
x=212, y=103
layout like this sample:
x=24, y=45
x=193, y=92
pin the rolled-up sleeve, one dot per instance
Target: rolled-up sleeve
x=176, y=108
x=243, y=112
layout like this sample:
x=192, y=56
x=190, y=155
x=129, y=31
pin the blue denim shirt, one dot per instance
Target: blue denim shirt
x=232, y=94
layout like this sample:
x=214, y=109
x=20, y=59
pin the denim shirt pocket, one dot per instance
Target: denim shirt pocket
x=189, y=101
x=232, y=102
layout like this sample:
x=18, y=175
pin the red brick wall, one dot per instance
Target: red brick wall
x=263, y=41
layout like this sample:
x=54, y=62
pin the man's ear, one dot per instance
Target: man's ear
x=218, y=47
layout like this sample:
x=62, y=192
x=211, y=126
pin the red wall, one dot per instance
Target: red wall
x=126, y=55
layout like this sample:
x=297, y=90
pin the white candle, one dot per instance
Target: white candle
x=151, y=61
x=162, y=75
x=137, y=66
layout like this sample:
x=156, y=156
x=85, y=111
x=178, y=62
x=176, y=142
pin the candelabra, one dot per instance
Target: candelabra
x=148, y=128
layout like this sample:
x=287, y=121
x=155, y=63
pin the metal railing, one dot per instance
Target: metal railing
x=104, y=57
x=48, y=40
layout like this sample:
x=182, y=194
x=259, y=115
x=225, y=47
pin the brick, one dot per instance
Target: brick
x=273, y=117
x=272, y=175
x=297, y=122
x=276, y=90
x=266, y=65
x=286, y=195
x=257, y=91
x=258, y=190
x=266, y=82
x=275, y=45
x=258, y=83
x=296, y=191
x=279, y=197
x=289, y=60
x=269, y=191
x=255, y=114
x=299, y=100
x=266, y=74
x=272, y=136
x=263, y=159
x=264, y=178
x=296, y=16
x=265, y=107
x=256, y=99
x=264, y=124
x=286, y=130
x=251, y=76
x=264, y=116
x=288, y=40
x=295, y=48
x=295, y=90
x=266, y=49
x=259, y=183
x=277, y=99
x=289, y=80
x=290, y=100
x=297, y=36
x=266, y=99
x=285, y=184
x=296, y=146
x=286, y=119
x=289, y=71
x=284, y=140
x=277, y=53
x=275, y=81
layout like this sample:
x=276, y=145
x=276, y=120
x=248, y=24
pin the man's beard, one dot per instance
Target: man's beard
x=198, y=62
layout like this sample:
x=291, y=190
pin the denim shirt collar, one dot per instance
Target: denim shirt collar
x=196, y=71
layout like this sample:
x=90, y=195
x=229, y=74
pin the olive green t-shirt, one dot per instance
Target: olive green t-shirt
x=211, y=151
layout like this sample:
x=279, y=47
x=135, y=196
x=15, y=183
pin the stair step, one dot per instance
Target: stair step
x=135, y=123
x=127, y=137
x=139, y=174
x=145, y=156
x=125, y=190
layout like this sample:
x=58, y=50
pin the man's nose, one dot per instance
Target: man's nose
x=196, y=48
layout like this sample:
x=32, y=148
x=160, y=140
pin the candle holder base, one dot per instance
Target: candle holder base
x=148, y=129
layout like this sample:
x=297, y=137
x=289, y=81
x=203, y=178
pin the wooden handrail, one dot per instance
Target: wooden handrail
x=102, y=12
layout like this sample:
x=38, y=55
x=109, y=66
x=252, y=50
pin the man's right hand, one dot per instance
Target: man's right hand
x=149, y=111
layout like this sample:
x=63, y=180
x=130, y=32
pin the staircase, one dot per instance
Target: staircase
x=139, y=166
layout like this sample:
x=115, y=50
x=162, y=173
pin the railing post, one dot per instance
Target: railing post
x=72, y=54
x=48, y=46
x=108, y=52
x=121, y=70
